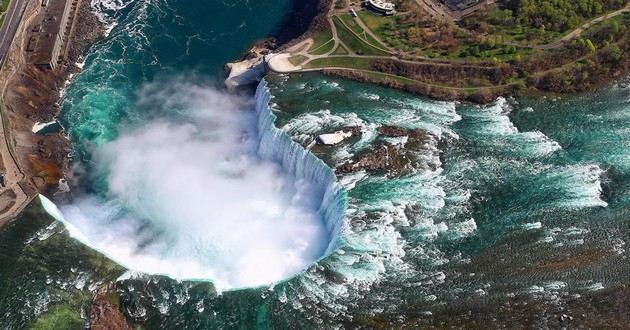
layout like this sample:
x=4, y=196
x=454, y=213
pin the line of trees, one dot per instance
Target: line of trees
x=560, y=15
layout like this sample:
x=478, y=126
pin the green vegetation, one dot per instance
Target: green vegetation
x=59, y=258
x=353, y=41
x=323, y=49
x=349, y=21
x=608, y=30
x=297, y=59
x=386, y=28
x=510, y=46
x=4, y=4
x=536, y=22
x=373, y=41
x=59, y=317
x=419, y=38
x=341, y=50
x=501, y=24
x=561, y=15
x=340, y=62
x=320, y=38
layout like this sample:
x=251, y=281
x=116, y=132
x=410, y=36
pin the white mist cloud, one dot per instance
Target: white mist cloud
x=187, y=196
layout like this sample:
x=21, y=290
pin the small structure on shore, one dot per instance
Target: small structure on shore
x=381, y=6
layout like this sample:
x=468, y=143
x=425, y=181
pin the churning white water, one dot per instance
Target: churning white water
x=214, y=193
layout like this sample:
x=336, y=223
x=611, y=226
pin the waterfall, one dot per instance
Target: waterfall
x=276, y=145
x=312, y=226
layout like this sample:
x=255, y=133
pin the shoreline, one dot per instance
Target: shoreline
x=45, y=160
x=445, y=79
x=31, y=97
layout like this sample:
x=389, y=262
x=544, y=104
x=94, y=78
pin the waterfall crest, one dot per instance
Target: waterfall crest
x=293, y=214
x=276, y=145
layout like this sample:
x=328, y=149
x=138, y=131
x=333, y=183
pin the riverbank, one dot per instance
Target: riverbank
x=30, y=97
x=466, y=63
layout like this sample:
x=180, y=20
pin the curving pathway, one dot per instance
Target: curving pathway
x=575, y=33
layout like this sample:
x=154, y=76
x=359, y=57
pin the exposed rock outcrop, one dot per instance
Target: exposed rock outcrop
x=251, y=68
x=395, y=159
x=105, y=314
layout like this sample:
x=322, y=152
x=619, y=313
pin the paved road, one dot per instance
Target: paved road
x=9, y=28
x=14, y=178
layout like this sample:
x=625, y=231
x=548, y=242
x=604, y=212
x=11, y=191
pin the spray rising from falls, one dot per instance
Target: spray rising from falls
x=218, y=194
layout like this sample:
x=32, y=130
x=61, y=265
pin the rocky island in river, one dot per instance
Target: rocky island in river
x=141, y=188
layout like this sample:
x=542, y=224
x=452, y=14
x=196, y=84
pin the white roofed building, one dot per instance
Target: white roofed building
x=381, y=6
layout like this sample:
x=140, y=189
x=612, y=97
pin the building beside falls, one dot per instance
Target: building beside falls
x=381, y=6
x=50, y=33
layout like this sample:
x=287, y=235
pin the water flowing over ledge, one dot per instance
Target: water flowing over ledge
x=277, y=146
x=271, y=145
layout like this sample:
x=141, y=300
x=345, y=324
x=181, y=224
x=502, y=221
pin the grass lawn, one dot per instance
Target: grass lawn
x=323, y=49
x=340, y=62
x=298, y=59
x=351, y=23
x=319, y=38
x=374, y=22
x=341, y=50
x=358, y=45
x=378, y=24
x=4, y=4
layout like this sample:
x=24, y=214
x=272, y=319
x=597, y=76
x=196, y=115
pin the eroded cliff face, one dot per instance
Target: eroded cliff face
x=105, y=313
x=30, y=96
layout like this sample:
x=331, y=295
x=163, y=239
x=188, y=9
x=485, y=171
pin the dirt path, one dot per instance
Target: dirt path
x=575, y=33
x=578, y=32
x=367, y=30
x=281, y=62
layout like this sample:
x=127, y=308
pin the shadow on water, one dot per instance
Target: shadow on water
x=298, y=19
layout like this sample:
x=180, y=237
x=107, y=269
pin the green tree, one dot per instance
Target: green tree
x=589, y=45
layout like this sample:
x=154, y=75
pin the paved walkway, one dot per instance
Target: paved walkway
x=281, y=63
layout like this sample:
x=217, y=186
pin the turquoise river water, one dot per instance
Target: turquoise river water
x=511, y=214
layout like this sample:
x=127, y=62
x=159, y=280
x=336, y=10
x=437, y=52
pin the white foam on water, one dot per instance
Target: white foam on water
x=221, y=195
x=595, y=287
x=532, y=225
x=433, y=118
x=494, y=119
x=368, y=135
x=495, y=126
x=370, y=96
x=463, y=229
x=579, y=186
x=321, y=121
